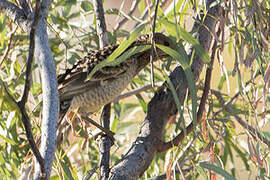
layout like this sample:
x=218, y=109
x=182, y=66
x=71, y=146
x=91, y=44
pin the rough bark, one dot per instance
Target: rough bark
x=141, y=154
x=50, y=109
x=101, y=30
x=50, y=97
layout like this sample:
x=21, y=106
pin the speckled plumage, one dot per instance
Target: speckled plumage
x=107, y=83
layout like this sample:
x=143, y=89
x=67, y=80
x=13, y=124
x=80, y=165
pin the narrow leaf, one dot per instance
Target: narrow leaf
x=182, y=58
x=199, y=49
x=217, y=170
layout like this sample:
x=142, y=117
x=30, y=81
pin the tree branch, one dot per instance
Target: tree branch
x=25, y=7
x=30, y=58
x=16, y=14
x=50, y=109
x=179, y=138
x=101, y=24
x=140, y=156
x=22, y=102
x=105, y=142
x=90, y=173
x=104, y=129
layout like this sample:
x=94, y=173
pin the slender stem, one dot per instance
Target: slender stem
x=105, y=143
x=152, y=45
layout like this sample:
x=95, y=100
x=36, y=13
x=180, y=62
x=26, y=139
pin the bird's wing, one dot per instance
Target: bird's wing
x=73, y=83
x=76, y=86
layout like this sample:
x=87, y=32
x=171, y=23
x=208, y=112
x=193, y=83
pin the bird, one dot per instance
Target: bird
x=77, y=93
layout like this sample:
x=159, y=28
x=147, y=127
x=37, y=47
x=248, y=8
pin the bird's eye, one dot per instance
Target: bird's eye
x=166, y=43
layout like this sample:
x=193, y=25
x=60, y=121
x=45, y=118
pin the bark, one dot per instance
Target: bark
x=50, y=97
x=50, y=106
x=141, y=154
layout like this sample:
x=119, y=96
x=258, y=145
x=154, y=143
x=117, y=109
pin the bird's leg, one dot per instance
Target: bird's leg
x=109, y=133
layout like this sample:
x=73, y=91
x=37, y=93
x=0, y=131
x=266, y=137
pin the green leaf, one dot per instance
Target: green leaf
x=142, y=102
x=66, y=165
x=66, y=10
x=202, y=172
x=266, y=135
x=199, y=49
x=177, y=7
x=240, y=153
x=141, y=6
x=73, y=15
x=176, y=98
x=170, y=27
x=7, y=140
x=87, y=6
x=114, y=124
x=182, y=58
x=217, y=169
x=2, y=160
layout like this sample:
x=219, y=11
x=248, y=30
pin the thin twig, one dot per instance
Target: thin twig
x=106, y=142
x=30, y=56
x=8, y=93
x=91, y=172
x=8, y=45
x=254, y=132
x=137, y=91
x=152, y=45
x=227, y=104
x=143, y=16
x=22, y=102
x=57, y=34
x=185, y=149
x=131, y=11
x=101, y=25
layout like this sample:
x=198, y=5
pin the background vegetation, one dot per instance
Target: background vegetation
x=218, y=147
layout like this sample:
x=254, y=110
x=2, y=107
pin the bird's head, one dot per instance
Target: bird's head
x=161, y=39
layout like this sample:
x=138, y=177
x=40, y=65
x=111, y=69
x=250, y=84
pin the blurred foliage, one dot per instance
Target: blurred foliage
x=218, y=147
